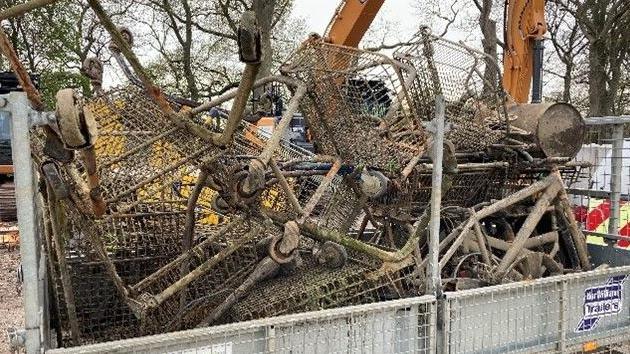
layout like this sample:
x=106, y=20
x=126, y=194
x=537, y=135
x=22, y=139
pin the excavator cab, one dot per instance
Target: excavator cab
x=267, y=109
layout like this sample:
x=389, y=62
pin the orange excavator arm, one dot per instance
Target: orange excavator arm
x=525, y=27
x=351, y=20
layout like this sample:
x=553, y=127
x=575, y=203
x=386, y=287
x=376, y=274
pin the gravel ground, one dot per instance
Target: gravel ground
x=11, y=311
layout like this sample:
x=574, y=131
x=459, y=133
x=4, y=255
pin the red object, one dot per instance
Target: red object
x=598, y=215
x=625, y=231
x=580, y=212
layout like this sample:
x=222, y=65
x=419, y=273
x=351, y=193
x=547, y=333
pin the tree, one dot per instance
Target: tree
x=490, y=43
x=605, y=25
x=53, y=42
x=568, y=43
x=438, y=15
x=196, y=41
x=623, y=101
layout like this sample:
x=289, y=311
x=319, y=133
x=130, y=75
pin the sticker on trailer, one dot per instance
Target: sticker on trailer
x=601, y=301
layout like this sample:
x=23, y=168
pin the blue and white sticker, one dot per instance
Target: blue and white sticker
x=601, y=301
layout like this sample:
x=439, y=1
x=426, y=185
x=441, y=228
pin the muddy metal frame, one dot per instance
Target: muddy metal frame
x=535, y=316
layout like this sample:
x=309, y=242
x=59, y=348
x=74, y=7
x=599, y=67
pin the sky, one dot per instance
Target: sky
x=317, y=14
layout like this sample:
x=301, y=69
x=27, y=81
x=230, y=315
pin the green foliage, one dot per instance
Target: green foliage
x=188, y=46
x=53, y=81
x=52, y=42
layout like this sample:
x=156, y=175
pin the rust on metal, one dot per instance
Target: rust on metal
x=558, y=129
x=210, y=220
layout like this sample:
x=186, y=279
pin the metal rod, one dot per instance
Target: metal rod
x=319, y=192
x=265, y=269
x=135, y=81
x=285, y=186
x=607, y=236
x=434, y=285
x=528, y=226
x=468, y=166
x=607, y=120
x=205, y=267
x=410, y=166
x=616, y=166
x=564, y=206
x=465, y=229
x=167, y=169
x=481, y=241
x=189, y=228
x=94, y=181
x=230, y=95
x=458, y=235
x=279, y=130
x=59, y=234
x=537, y=79
x=198, y=249
x=240, y=102
x=29, y=239
x=532, y=242
x=562, y=317
x=153, y=90
x=23, y=77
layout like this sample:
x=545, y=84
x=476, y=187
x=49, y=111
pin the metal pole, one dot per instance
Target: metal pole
x=434, y=285
x=562, y=326
x=615, y=179
x=537, y=80
x=25, y=187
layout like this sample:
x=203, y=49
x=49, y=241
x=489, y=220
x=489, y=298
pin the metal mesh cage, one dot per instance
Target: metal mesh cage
x=359, y=206
x=358, y=106
x=468, y=80
x=148, y=168
x=142, y=156
x=315, y=287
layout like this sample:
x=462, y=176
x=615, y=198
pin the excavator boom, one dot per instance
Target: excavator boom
x=351, y=20
x=525, y=27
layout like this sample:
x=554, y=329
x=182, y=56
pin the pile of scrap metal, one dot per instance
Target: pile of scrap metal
x=158, y=219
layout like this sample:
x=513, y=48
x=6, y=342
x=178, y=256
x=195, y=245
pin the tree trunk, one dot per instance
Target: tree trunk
x=489, y=42
x=568, y=81
x=598, y=92
x=191, y=83
x=491, y=74
x=264, y=10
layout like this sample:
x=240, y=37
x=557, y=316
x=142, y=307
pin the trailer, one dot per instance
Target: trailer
x=432, y=216
x=583, y=312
